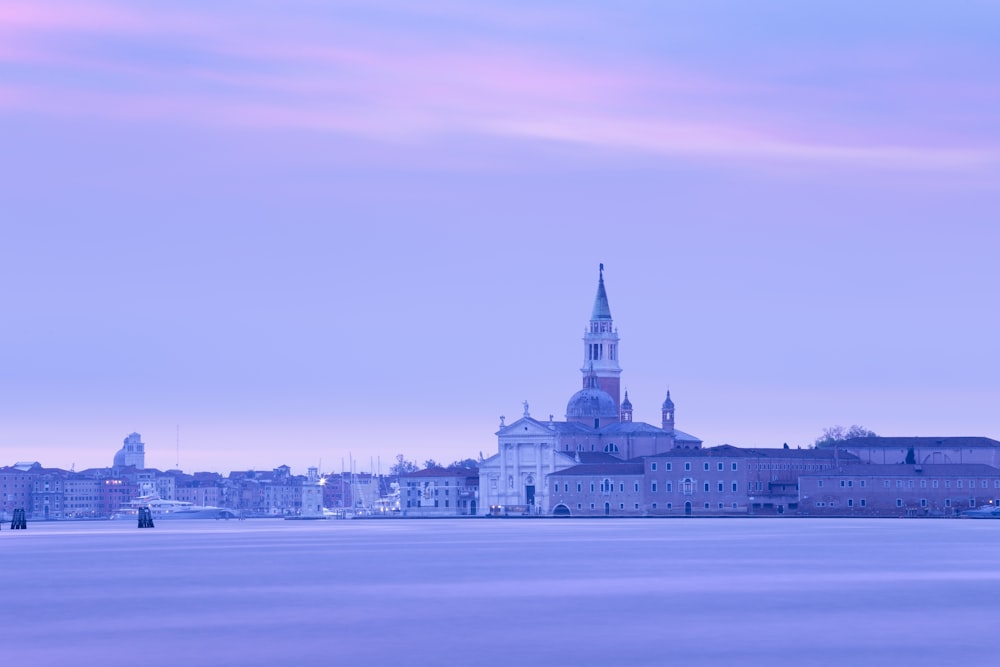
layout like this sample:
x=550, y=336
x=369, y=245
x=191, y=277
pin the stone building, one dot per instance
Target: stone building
x=597, y=421
x=439, y=492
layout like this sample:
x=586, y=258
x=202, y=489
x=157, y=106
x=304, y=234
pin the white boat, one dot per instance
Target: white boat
x=172, y=509
x=984, y=512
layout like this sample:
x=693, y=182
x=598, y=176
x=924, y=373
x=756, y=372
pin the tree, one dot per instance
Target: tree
x=431, y=463
x=839, y=433
x=469, y=464
x=402, y=466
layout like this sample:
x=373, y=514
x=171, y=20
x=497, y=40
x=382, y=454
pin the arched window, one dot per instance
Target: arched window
x=611, y=448
x=607, y=486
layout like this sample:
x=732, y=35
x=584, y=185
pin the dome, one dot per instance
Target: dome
x=120, y=458
x=591, y=402
x=626, y=404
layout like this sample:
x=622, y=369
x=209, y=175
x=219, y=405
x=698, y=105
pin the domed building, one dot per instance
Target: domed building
x=598, y=428
x=132, y=453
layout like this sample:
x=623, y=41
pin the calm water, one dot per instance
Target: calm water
x=492, y=592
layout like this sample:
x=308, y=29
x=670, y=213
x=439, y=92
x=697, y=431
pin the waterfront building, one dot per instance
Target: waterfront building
x=945, y=489
x=16, y=484
x=439, y=492
x=598, y=420
x=723, y=480
x=312, y=496
x=926, y=450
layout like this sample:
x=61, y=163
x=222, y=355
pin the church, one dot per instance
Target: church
x=598, y=429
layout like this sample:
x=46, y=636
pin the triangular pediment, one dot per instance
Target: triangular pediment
x=525, y=426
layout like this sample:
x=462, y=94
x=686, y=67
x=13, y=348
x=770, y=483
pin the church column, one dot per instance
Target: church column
x=540, y=487
x=517, y=475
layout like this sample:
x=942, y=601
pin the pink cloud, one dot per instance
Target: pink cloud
x=395, y=86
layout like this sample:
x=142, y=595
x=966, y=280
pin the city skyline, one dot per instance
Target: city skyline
x=303, y=233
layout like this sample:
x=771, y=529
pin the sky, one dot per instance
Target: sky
x=309, y=233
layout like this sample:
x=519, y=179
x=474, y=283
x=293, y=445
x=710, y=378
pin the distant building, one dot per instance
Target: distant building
x=926, y=450
x=132, y=453
x=439, y=492
x=597, y=421
x=944, y=489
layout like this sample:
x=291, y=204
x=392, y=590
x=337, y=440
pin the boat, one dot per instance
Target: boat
x=984, y=512
x=172, y=509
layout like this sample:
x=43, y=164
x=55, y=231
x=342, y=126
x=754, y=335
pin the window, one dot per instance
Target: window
x=850, y=483
x=607, y=486
x=579, y=487
x=670, y=487
x=652, y=466
x=652, y=487
x=861, y=484
x=819, y=483
x=947, y=483
x=864, y=503
x=923, y=502
x=899, y=483
x=670, y=466
x=707, y=505
x=934, y=484
x=909, y=483
x=687, y=465
x=885, y=484
x=707, y=487
x=670, y=506
x=611, y=448
x=621, y=487
x=850, y=502
x=958, y=484
x=637, y=487
x=591, y=505
x=734, y=466
x=591, y=487
x=972, y=502
x=720, y=487
x=637, y=505
x=654, y=506
x=843, y=483
x=579, y=506
x=720, y=466
x=985, y=485
x=706, y=466
x=923, y=484
x=621, y=506
x=947, y=502
x=899, y=502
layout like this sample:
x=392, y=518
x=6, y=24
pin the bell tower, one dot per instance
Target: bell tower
x=600, y=346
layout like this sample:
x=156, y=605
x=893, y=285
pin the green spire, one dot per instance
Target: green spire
x=602, y=311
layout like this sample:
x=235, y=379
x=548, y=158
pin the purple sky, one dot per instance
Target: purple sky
x=302, y=230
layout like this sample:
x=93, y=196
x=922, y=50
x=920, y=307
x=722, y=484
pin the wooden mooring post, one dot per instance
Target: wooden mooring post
x=145, y=518
x=20, y=520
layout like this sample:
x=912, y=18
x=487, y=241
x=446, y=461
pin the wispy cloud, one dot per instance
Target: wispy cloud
x=285, y=69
